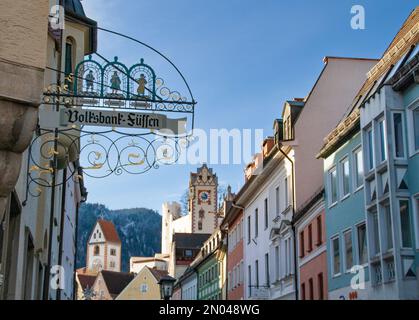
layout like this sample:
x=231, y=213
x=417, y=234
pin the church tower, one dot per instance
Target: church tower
x=203, y=200
x=104, y=248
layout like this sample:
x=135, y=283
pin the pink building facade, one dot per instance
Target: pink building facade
x=326, y=104
x=235, y=268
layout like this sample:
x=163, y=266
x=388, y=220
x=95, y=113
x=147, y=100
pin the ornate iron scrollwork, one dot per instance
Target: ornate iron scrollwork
x=111, y=86
x=102, y=154
x=114, y=85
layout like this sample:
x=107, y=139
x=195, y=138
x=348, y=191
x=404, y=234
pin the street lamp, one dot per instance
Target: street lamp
x=166, y=287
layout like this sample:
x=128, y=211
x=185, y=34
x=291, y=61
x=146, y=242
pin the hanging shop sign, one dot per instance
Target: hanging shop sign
x=70, y=117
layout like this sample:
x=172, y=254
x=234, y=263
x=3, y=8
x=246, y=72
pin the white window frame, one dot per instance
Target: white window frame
x=329, y=182
x=341, y=180
x=367, y=148
x=378, y=139
x=403, y=135
x=415, y=211
x=358, y=253
x=400, y=223
x=346, y=231
x=277, y=201
x=355, y=165
x=332, y=239
x=411, y=127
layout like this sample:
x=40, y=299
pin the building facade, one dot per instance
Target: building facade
x=380, y=126
x=104, y=248
x=145, y=285
x=327, y=102
x=211, y=268
x=189, y=285
x=39, y=239
x=345, y=217
x=233, y=223
x=389, y=201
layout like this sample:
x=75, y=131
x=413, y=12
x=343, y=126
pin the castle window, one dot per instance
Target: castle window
x=188, y=253
x=96, y=250
x=199, y=225
x=113, y=252
x=201, y=213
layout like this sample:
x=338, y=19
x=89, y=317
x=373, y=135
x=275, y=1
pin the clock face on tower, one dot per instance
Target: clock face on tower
x=204, y=197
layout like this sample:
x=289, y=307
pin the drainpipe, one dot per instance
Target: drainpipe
x=292, y=221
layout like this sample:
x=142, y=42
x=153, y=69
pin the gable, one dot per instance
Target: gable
x=97, y=235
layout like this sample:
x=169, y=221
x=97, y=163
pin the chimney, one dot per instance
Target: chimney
x=267, y=146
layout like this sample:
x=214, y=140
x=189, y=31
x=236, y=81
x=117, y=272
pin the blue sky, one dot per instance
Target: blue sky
x=242, y=59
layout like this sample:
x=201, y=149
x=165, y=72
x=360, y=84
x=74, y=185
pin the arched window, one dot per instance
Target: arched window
x=69, y=57
x=96, y=250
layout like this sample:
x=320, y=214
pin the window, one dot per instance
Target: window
x=303, y=291
x=144, y=288
x=256, y=223
x=277, y=200
x=416, y=127
x=348, y=250
x=286, y=196
x=68, y=56
x=113, y=252
x=249, y=230
x=266, y=213
x=302, y=249
x=96, y=250
x=319, y=230
x=370, y=149
x=344, y=165
x=383, y=140
x=277, y=262
x=388, y=227
x=288, y=257
x=69, y=59
x=188, y=253
x=112, y=264
x=249, y=277
x=375, y=233
x=336, y=256
x=359, y=168
x=310, y=289
x=405, y=224
x=333, y=190
x=398, y=135
x=320, y=286
x=257, y=273
x=267, y=269
x=362, y=244
x=310, y=237
x=199, y=225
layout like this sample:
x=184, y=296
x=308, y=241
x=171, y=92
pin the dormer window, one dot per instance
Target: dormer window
x=287, y=128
